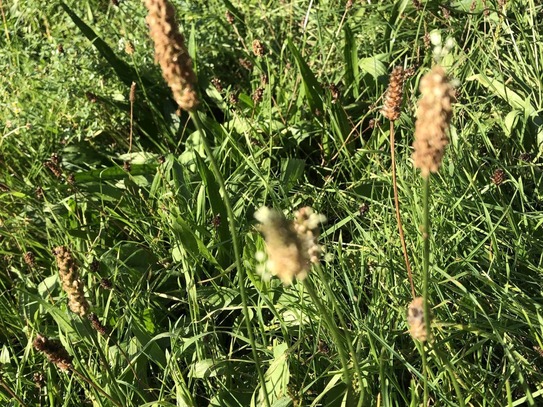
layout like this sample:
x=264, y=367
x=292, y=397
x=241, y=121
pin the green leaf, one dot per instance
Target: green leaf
x=124, y=71
x=206, y=368
x=374, y=66
x=312, y=88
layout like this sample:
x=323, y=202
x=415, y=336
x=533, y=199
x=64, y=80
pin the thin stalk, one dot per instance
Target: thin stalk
x=4, y=385
x=352, y=350
x=235, y=243
x=426, y=254
x=397, y=207
x=422, y=350
x=95, y=386
x=425, y=278
x=333, y=329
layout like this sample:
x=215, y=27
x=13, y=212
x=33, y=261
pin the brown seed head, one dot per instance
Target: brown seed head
x=171, y=53
x=258, y=95
x=498, y=177
x=416, y=320
x=30, y=259
x=394, y=93
x=97, y=325
x=132, y=95
x=245, y=63
x=258, y=48
x=54, y=168
x=229, y=17
x=129, y=48
x=55, y=352
x=71, y=282
x=433, y=119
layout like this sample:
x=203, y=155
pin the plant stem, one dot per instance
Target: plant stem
x=4, y=385
x=333, y=329
x=397, y=206
x=95, y=386
x=352, y=350
x=235, y=243
x=426, y=254
x=425, y=278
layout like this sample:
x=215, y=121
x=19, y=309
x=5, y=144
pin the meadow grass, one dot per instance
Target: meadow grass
x=157, y=205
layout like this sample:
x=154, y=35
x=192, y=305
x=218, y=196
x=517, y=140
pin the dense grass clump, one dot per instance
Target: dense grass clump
x=134, y=272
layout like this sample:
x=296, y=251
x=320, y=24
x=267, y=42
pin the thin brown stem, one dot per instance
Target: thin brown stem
x=397, y=206
x=4, y=385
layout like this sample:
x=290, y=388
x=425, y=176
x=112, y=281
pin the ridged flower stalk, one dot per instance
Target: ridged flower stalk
x=391, y=110
x=176, y=64
x=433, y=120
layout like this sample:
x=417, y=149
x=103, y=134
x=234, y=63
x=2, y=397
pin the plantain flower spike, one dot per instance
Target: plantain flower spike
x=417, y=320
x=291, y=246
x=71, y=283
x=433, y=119
x=171, y=53
x=394, y=94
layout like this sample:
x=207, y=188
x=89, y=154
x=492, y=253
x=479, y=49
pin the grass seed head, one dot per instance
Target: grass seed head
x=55, y=352
x=433, y=119
x=498, y=177
x=71, y=282
x=258, y=48
x=394, y=94
x=417, y=320
x=291, y=245
x=171, y=53
x=97, y=325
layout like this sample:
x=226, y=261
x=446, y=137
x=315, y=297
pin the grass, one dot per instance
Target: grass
x=159, y=233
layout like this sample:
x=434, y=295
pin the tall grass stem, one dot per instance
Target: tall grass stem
x=397, y=207
x=236, y=247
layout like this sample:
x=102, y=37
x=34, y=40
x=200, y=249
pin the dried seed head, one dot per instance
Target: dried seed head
x=416, y=320
x=433, y=119
x=97, y=325
x=363, y=209
x=217, y=83
x=71, y=282
x=245, y=63
x=132, y=95
x=264, y=80
x=334, y=91
x=54, y=168
x=39, y=192
x=129, y=48
x=498, y=177
x=229, y=17
x=258, y=48
x=394, y=94
x=171, y=53
x=38, y=379
x=30, y=259
x=291, y=245
x=258, y=95
x=106, y=284
x=71, y=179
x=55, y=352
x=127, y=166
x=233, y=98
x=91, y=97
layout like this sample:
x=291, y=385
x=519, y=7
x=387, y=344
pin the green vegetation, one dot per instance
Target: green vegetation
x=299, y=126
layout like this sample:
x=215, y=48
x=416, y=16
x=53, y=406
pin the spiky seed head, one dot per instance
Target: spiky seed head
x=433, y=118
x=394, y=94
x=416, y=320
x=171, y=53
